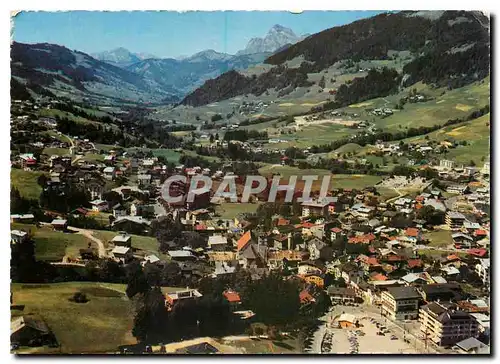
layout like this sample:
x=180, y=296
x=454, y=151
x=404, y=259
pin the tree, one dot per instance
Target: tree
x=274, y=300
x=151, y=318
x=211, y=138
x=194, y=239
x=42, y=180
x=79, y=297
x=137, y=282
x=321, y=82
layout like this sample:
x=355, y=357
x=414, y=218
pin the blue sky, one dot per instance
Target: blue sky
x=168, y=34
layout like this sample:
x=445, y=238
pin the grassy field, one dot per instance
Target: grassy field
x=476, y=132
x=56, y=151
x=314, y=135
x=357, y=181
x=230, y=210
x=91, y=157
x=439, y=238
x=147, y=244
x=437, y=253
x=54, y=245
x=387, y=193
x=26, y=182
x=450, y=105
x=98, y=326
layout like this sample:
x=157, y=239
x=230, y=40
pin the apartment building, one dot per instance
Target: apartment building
x=401, y=303
x=455, y=220
x=483, y=271
x=445, y=325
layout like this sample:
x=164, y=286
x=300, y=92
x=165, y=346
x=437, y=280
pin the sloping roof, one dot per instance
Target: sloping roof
x=151, y=258
x=412, y=232
x=479, y=252
x=345, y=291
x=412, y=263
x=438, y=279
x=244, y=240
x=470, y=344
x=180, y=253
x=403, y=292
x=120, y=250
x=378, y=277
x=347, y=317
x=26, y=321
x=232, y=296
x=305, y=297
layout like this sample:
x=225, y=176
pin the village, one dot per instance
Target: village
x=412, y=269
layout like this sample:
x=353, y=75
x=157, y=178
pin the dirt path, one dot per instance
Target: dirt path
x=88, y=234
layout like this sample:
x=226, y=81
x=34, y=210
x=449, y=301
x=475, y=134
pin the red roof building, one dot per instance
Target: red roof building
x=244, y=240
x=305, y=297
x=414, y=263
x=481, y=252
x=231, y=296
x=413, y=232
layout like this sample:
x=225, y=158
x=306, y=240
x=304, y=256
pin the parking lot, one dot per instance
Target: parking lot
x=370, y=337
x=371, y=333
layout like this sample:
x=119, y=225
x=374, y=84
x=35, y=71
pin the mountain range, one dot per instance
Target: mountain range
x=127, y=76
x=121, y=57
x=56, y=70
x=276, y=39
x=447, y=48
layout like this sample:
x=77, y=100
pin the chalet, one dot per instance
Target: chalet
x=181, y=255
x=217, y=243
x=121, y=253
x=341, y=295
x=109, y=173
x=352, y=272
x=123, y=239
x=314, y=246
x=119, y=210
x=233, y=298
x=151, y=259
x=253, y=256
x=184, y=295
x=59, y=224
x=27, y=160
x=413, y=234
x=18, y=236
x=314, y=208
x=462, y=240
x=133, y=224
x=483, y=271
x=282, y=241
x=455, y=220
x=335, y=233
x=22, y=218
x=440, y=292
x=30, y=331
x=99, y=205
x=138, y=208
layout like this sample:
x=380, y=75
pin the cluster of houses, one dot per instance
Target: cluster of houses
x=352, y=245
